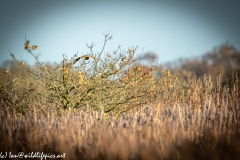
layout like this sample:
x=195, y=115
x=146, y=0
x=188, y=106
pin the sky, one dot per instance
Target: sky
x=171, y=29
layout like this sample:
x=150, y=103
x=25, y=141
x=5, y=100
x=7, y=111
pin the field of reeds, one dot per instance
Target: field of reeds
x=86, y=109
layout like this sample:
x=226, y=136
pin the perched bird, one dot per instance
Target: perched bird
x=34, y=47
x=22, y=64
x=124, y=59
x=86, y=57
x=7, y=72
x=27, y=45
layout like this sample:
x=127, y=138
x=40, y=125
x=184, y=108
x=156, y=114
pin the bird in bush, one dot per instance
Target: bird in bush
x=124, y=59
x=22, y=64
x=7, y=72
x=86, y=57
x=27, y=45
x=34, y=47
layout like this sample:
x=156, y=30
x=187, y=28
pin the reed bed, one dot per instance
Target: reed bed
x=170, y=132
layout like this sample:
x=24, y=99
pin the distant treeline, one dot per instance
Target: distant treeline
x=224, y=60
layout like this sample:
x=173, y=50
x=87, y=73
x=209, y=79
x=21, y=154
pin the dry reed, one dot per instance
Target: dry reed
x=170, y=132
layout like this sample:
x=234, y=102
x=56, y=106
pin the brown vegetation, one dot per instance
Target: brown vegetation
x=224, y=60
x=114, y=107
x=158, y=132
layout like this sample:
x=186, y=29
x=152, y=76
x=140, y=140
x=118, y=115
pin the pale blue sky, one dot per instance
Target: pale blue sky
x=171, y=29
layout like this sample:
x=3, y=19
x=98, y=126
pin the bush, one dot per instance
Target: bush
x=114, y=82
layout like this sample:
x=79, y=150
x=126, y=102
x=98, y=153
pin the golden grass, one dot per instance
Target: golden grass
x=173, y=132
